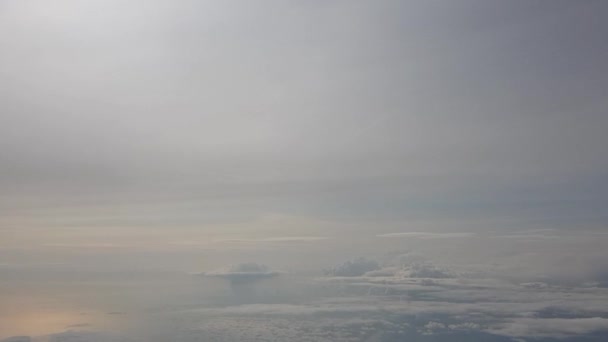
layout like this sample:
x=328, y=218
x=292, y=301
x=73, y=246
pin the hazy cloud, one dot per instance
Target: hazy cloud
x=243, y=272
x=141, y=139
x=554, y=327
x=426, y=235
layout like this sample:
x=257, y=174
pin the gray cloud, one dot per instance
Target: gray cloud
x=427, y=235
x=354, y=268
x=554, y=327
x=164, y=136
x=245, y=272
x=372, y=112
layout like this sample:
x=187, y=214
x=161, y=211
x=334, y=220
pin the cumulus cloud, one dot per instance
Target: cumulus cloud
x=446, y=301
x=428, y=270
x=432, y=327
x=406, y=265
x=465, y=326
x=393, y=306
x=354, y=268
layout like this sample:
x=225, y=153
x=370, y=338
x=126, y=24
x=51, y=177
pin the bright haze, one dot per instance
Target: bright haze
x=303, y=170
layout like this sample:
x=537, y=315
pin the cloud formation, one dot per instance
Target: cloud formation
x=472, y=132
x=427, y=235
x=552, y=327
x=245, y=272
x=354, y=268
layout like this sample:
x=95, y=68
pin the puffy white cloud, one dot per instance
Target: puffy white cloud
x=465, y=326
x=451, y=300
x=401, y=266
x=432, y=327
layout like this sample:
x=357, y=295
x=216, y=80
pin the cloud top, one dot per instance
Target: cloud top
x=243, y=272
x=354, y=268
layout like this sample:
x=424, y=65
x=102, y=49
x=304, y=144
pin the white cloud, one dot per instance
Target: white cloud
x=406, y=265
x=404, y=307
x=465, y=326
x=554, y=327
x=432, y=327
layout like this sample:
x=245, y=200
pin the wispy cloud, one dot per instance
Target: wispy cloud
x=427, y=235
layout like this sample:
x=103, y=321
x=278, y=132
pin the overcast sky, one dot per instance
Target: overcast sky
x=468, y=138
x=166, y=114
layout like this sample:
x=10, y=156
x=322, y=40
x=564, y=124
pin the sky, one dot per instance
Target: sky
x=182, y=146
